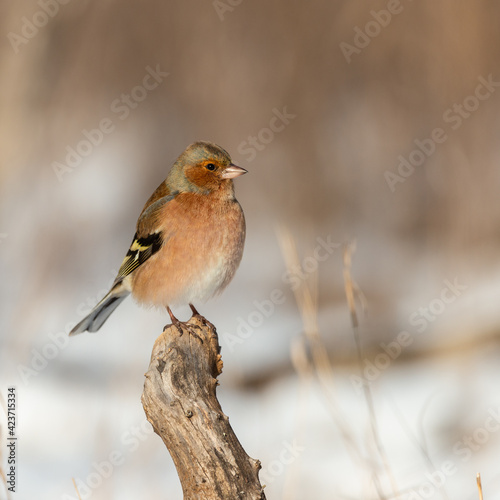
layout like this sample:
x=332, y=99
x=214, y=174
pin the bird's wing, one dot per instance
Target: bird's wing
x=148, y=239
x=139, y=252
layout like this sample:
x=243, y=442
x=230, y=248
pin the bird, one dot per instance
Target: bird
x=188, y=242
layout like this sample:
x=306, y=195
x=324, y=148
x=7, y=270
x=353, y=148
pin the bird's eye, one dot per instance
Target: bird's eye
x=210, y=166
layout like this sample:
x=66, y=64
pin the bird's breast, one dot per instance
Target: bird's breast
x=203, y=238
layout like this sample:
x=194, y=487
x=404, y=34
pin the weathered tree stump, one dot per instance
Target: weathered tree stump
x=180, y=402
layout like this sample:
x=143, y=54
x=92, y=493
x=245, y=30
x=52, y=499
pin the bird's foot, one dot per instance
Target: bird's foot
x=203, y=320
x=182, y=324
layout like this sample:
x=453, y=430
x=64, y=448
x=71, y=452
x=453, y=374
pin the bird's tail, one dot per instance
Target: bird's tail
x=101, y=312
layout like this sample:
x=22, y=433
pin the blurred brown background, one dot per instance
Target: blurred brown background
x=360, y=86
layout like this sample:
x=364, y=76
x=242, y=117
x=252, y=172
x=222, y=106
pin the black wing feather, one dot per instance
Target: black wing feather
x=140, y=250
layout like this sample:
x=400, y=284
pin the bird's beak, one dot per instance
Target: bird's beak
x=233, y=171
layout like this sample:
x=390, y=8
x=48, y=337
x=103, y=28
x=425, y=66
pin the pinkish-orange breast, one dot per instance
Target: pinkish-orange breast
x=203, y=245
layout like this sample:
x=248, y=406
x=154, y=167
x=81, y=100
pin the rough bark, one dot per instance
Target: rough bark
x=180, y=401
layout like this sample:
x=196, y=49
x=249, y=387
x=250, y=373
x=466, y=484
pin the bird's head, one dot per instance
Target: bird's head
x=203, y=167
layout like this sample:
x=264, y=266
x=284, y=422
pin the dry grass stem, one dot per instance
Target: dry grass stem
x=479, y=486
x=350, y=288
x=76, y=488
x=306, y=296
x=414, y=439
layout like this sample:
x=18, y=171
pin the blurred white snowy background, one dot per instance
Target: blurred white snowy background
x=386, y=132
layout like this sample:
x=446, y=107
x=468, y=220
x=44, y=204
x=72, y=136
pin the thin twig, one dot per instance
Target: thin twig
x=349, y=290
x=300, y=361
x=76, y=488
x=307, y=303
x=420, y=421
x=417, y=442
x=479, y=485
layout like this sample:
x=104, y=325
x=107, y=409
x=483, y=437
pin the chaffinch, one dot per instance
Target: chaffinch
x=189, y=238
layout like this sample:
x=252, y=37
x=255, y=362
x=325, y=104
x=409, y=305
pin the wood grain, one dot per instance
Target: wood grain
x=179, y=400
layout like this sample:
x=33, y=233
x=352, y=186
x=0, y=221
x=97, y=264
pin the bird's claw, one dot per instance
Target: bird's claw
x=204, y=321
x=180, y=324
x=190, y=328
